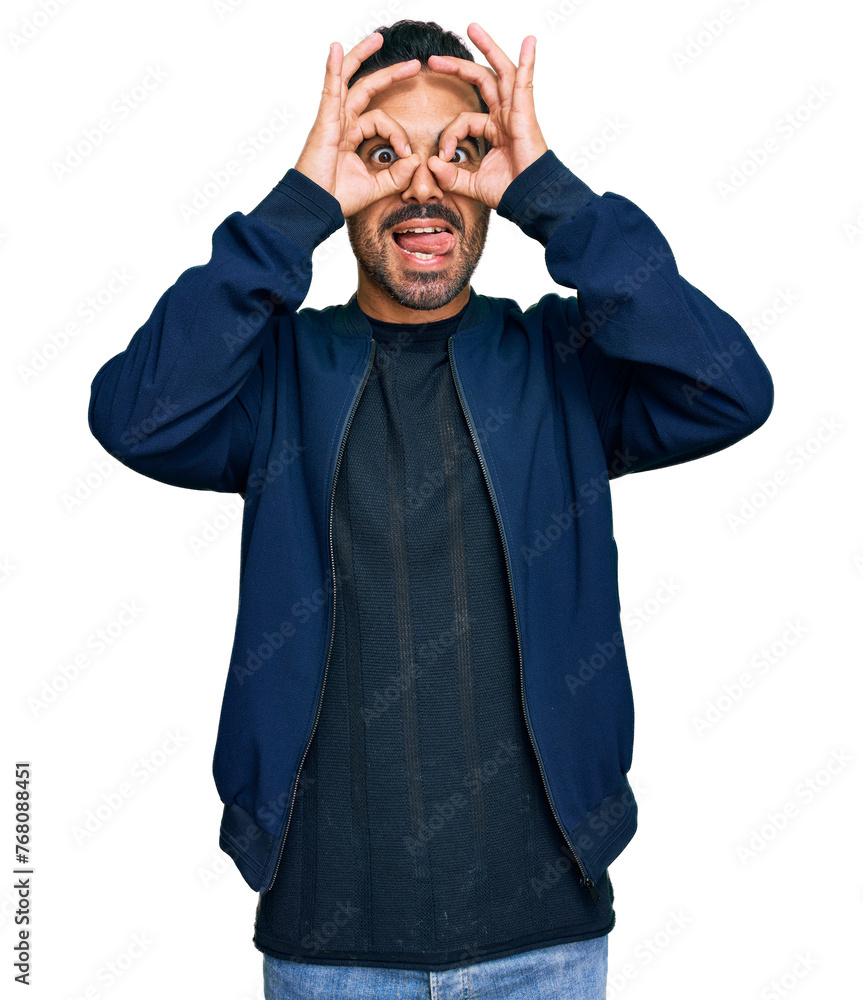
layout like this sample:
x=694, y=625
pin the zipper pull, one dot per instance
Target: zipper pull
x=590, y=885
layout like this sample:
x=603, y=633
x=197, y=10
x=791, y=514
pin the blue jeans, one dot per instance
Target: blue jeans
x=574, y=971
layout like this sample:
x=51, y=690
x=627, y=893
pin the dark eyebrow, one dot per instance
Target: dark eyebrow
x=472, y=139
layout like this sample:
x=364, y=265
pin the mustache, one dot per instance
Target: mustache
x=434, y=213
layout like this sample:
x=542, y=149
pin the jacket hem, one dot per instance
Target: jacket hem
x=250, y=846
x=599, y=838
x=606, y=830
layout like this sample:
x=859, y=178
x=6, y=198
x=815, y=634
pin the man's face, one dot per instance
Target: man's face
x=423, y=105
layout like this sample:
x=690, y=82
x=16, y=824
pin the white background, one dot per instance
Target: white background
x=790, y=235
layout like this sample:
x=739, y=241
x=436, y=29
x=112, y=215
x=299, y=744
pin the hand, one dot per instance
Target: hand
x=329, y=156
x=510, y=125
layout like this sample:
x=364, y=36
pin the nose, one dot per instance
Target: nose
x=423, y=185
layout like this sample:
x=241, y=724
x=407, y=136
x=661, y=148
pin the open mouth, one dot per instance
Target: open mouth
x=424, y=242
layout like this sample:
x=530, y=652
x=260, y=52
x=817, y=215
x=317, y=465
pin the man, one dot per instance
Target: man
x=427, y=722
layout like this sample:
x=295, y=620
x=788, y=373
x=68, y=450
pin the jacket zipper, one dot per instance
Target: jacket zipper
x=584, y=881
x=333, y=625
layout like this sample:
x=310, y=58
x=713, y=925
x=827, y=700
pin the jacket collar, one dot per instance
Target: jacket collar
x=349, y=318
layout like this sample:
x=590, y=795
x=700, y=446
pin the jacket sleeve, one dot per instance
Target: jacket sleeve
x=669, y=375
x=181, y=403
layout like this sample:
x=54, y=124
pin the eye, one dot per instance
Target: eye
x=388, y=151
x=465, y=157
x=389, y=156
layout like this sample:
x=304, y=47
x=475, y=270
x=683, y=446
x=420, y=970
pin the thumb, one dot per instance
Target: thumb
x=448, y=175
x=397, y=177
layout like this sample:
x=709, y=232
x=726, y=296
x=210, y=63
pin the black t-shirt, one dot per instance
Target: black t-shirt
x=422, y=836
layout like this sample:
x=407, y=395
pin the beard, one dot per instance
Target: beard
x=379, y=259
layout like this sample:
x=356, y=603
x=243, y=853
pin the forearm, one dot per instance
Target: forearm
x=668, y=372
x=180, y=403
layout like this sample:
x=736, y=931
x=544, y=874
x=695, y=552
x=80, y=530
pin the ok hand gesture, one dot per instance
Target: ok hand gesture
x=329, y=156
x=510, y=125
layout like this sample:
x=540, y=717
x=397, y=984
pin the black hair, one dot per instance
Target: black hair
x=405, y=40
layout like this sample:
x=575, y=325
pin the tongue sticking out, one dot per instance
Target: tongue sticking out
x=425, y=242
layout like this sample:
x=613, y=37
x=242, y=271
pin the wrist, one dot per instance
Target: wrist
x=301, y=209
x=543, y=196
x=307, y=169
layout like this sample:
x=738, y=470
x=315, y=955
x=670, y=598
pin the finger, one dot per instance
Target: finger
x=498, y=59
x=362, y=91
x=482, y=76
x=359, y=53
x=464, y=124
x=352, y=61
x=396, y=178
x=450, y=178
x=378, y=123
x=522, y=91
x=331, y=95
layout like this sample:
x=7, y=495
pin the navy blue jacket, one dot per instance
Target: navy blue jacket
x=231, y=386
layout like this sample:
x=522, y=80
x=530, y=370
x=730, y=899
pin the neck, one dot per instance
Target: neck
x=377, y=304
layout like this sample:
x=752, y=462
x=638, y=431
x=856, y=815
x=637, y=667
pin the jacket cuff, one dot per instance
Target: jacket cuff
x=543, y=196
x=301, y=209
